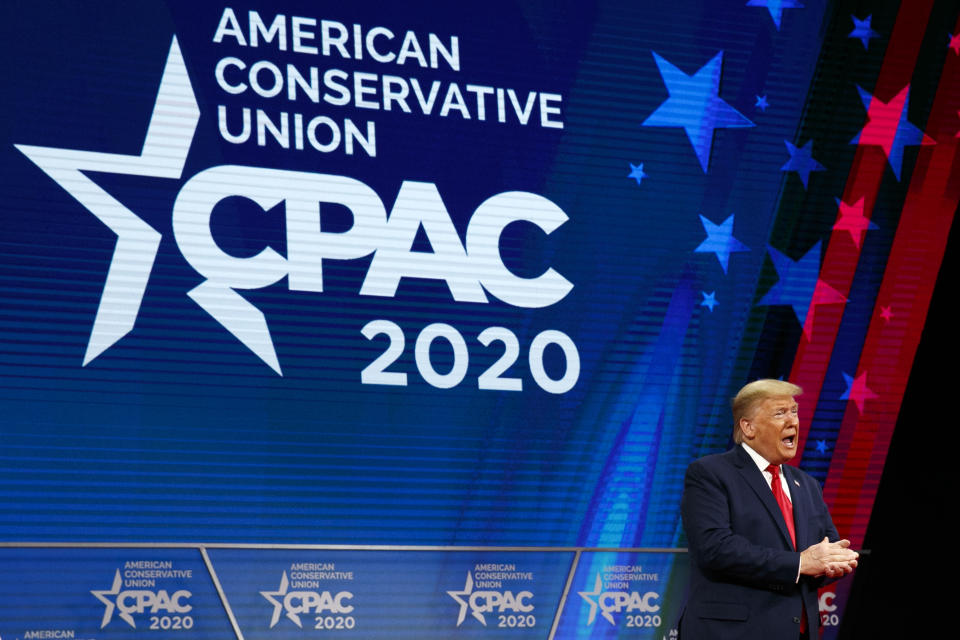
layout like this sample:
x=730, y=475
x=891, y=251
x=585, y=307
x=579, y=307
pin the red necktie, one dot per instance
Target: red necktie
x=786, y=508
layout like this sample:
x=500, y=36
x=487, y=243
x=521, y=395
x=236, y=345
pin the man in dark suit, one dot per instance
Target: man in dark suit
x=761, y=539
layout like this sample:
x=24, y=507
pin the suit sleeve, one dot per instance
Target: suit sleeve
x=725, y=549
x=829, y=529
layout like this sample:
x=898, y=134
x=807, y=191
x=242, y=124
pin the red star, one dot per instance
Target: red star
x=888, y=128
x=858, y=391
x=822, y=294
x=886, y=313
x=853, y=221
x=955, y=43
x=883, y=120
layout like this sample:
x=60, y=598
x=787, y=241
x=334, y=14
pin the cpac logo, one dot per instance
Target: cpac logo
x=610, y=602
x=129, y=602
x=826, y=602
x=293, y=603
x=471, y=270
x=480, y=602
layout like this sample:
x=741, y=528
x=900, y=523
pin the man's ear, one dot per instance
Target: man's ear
x=747, y=429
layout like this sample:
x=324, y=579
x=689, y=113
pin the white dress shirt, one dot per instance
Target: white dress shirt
x=762, y=464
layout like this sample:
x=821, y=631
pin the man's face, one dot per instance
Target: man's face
x=773, y=429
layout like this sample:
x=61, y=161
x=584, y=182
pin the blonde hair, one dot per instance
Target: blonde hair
x=751, y=394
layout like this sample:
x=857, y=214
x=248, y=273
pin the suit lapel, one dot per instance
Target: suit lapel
x=755, y=480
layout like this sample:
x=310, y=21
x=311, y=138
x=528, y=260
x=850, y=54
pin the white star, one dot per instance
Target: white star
x=586, y=595
x=278, y=604
x=467, y=590
x=164, y=153
x=110, y=604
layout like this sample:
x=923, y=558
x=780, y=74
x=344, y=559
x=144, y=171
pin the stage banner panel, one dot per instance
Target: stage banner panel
x=104, y=593
x=625, y=595
x=278, y=594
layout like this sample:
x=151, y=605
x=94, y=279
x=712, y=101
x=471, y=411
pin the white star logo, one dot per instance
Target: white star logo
x=589, y=597
x=467, y=590
x=110, y=603
x=164, y=153
x=271, y=596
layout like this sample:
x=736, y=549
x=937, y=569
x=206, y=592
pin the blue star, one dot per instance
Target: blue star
x=720, y=241
x=776, y=7
x=709, y=300
x=888, y=128
x=636, y=172
x=695, y=105
x=863, y=30
x=821, y=446
x=762, y=103
x=801, y=160
x=798, y=280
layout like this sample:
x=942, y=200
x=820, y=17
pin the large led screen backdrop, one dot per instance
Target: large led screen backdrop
x=452, y=273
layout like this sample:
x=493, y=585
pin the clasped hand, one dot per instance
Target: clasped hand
x=830, y=559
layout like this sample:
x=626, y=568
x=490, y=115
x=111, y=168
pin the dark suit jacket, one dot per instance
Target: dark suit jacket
x=743, y=576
